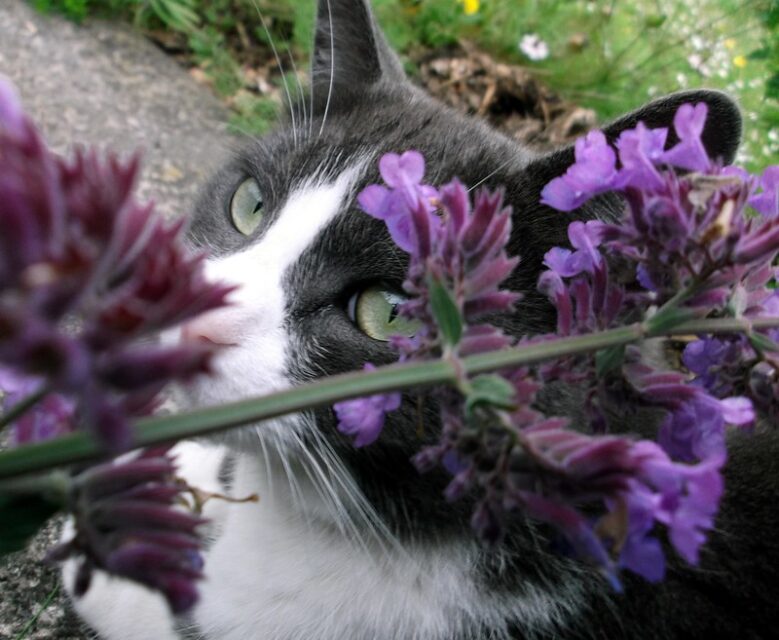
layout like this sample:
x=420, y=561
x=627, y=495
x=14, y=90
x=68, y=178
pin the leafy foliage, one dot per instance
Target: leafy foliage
x=21, y=517
x=769, y=49
x=73, y=9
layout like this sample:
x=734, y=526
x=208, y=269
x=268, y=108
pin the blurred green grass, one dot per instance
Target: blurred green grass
x=607, y=55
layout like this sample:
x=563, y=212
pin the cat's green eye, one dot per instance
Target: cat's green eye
x=376, y=312
x=246, y=207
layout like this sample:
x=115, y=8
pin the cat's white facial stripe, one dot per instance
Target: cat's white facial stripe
x=255, y=320
x=308, y=210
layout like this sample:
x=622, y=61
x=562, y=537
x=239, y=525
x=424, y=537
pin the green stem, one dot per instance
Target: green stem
x=25, y=632
x=79, y=447
x=20, y=408
x=53, y=485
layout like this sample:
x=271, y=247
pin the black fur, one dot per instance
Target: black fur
x=370, y=109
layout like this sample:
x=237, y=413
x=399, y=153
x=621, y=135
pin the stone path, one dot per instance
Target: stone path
x=101, y=84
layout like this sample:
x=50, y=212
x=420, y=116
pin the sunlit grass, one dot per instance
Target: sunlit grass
x=614, y=56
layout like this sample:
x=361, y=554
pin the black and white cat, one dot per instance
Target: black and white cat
x=350, y=544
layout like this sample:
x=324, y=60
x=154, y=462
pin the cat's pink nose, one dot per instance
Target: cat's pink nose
x=207, y=328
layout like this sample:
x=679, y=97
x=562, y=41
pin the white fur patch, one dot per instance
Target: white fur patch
x=281, y=569
x=255, y=321
x=311, y=560
x=278, y=572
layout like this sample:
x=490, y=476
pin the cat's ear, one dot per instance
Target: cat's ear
x=350, y=49
x=721, y=133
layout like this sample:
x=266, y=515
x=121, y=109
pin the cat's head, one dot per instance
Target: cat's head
x=318, y=277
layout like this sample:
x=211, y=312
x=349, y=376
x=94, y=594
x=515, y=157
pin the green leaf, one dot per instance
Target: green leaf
x=655, y=21
x=490, y=389
x=762, y=342
x=772, y=87
x=609, y=359
x=21, y=517
x=759, y=54
x=665, y=320
x=446, y=313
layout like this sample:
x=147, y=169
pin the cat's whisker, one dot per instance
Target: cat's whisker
x=354, y=496
x=332, y=164
x=374, y=523
x=295, y=493
x=266, y=458
x=491, y=174
x=332, y=67
x=323, y=484
x=281, y=70
x=335, y=471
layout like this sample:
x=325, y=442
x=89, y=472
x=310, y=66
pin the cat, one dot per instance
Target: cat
x=353, y=544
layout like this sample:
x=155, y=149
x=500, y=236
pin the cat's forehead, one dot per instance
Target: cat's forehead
x=366, y=124
x=351, y=136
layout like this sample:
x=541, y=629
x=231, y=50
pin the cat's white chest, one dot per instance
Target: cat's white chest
x=278, y=572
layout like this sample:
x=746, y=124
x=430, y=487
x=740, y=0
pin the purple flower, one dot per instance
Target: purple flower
x=51, y=417
x=701, y=355
x=767, y=201
x=689, y=507
x=642, y=553
x=695, y=430
x=644, y=278
x=363, y=418
x=684, y=498
x=75, y=245
x=403, y=173
x=703, y=358
x=593, y=172
x=584, y=237
x=689, y=153
x=737, y=411
x=12, y=118
x=640, y=149
x=667, y=223
x=680, y=232
x=463, y=248
x=129, y=521
x=405, y=200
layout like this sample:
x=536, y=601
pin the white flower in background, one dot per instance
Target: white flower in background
x=534, y=47
x=696, y=61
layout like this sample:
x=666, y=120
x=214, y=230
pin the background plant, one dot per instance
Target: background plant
x=607, y=55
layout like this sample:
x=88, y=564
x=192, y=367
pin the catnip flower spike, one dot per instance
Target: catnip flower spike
x=693, y=252
x=85, y=274
x=131, y=518
x=87, y=277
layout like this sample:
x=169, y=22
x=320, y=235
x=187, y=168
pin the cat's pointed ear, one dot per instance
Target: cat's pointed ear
x=721, y=133
x=349, y=47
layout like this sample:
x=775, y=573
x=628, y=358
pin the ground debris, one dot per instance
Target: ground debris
x=508, y=96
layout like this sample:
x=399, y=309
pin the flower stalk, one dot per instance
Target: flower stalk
x=80, y=448
x=20, y=408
